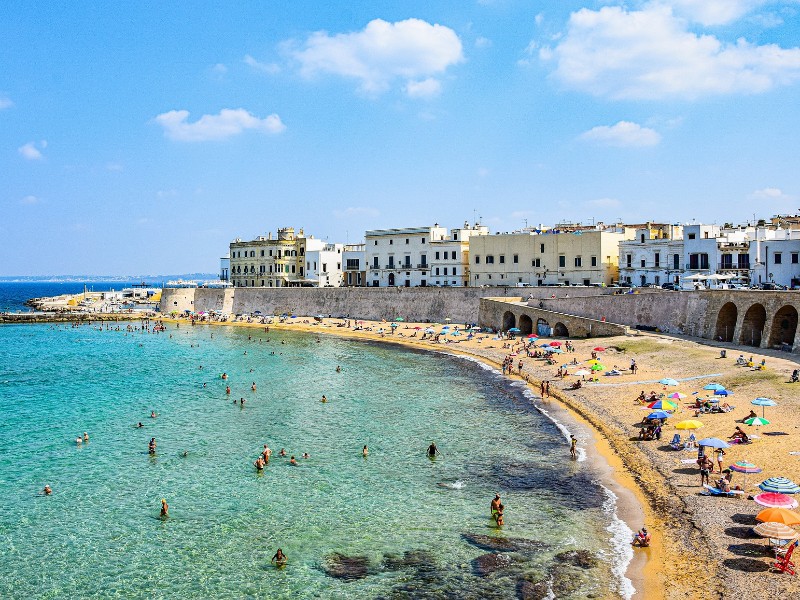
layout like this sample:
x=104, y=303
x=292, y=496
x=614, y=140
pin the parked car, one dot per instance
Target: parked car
x=669, y=286
x=771, y=286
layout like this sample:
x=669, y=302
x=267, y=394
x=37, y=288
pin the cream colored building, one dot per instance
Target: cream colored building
x=587, y=257
x=281, y=261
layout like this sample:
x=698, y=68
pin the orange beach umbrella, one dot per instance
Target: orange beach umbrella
x=778, y=515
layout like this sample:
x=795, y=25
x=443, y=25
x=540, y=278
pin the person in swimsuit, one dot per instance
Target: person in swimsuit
x=279, y=559
x=495, y=504
x=259, y=464
x=433, y=450
x=164, y=508
x=282, y=452
x=292, y=461
x=324, y=399
x=498, y=515
x=365, y=452
x=151, y=447
x=228, y=389
x=573, y=447
x=47, y=490
x=85, y=437
x=253, y=387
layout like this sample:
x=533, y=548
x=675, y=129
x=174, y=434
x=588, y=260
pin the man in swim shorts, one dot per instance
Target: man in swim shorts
x=495, y=504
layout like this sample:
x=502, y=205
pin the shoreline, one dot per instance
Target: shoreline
x=631, y=506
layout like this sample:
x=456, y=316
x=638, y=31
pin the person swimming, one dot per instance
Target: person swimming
x=139, y=425
x=47, y=490
x=253, y=387
x=306, y=455
x=365, y=451
x=164, y=508
x=433, y=450
x=153, y=414
x=259, y=463
x=279, y=559
x=224, y=376
x=338, y=369
x=85, y=437
x=282, y=452
x=151, y=447
x=292, y=461
x=228, y=389
x=324, y=399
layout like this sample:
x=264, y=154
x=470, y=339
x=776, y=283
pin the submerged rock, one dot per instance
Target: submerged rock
x=346, y=567
x=498, y=544
x=577, y=558
x=532, y=590
x=487, y=564
x=409, y=559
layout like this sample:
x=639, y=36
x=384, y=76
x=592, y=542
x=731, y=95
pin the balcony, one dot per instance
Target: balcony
x=422, y=265
x=697, y=267
x=733, y=267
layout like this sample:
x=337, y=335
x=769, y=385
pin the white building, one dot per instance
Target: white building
x=323, y=264
x=775, y=257
x=225, y=268
x=355, y=265
x=654, y=256
x=449, y=256
x=400, y=257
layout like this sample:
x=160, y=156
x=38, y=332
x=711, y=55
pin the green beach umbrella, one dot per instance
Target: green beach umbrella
x=597, y=367
x=757, y=421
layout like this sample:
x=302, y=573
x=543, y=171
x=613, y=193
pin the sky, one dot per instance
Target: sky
x=143, y=137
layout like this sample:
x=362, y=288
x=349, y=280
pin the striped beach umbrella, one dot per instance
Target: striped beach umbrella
x=662, y=405
x=763, y=403
x=742, y=466
x=775, y=531
x=677, y=396
x=582, y=372
x=668, y=381
x=756, y=421
x=774, y=499
x=778, y=515
x=782, y=485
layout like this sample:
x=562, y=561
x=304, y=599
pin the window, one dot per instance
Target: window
x=455, y=237
x=594, y=261
x=391, y=242
x=657, y=279
x=502, y=259
x=477, y=277
x=454, y=272
x=578, y=261
x=324, y=268
x=374, y=262
x=536, y=262
x=676, y=261
x=658, y=259
x=541, y=248
x=778, y=259
x=423, y=241
x=692, y=236
x=406, y=241
x=437, y=271
x=516, y=259
x=795, y=257
x=436, y=255
x=262, y=253
x=628, y=260
x=489, y=259
x=477, y=259
x=642, y=263
x=454, y=255
x=376, y=242
x=445, y=271
x=642, y=238
x=423, y=259
x=375, y=283
x=562, y=260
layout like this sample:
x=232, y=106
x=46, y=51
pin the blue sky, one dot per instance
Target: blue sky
x=141, y=137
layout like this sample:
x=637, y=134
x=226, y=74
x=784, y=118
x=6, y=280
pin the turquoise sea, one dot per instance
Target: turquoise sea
x=409, y=527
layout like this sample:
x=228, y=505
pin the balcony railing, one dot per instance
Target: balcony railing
x=422, y=265
x=733, y=267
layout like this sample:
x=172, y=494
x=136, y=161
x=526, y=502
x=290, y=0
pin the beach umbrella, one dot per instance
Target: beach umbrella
x=662, y=405
x=713, y=387
x=778, y=515
x=597, y=367
x=689, y=424
x=475, y=328
x=757, y=421
x=455, y=333
x=593, y=361
x=514, y=330
x=742, y=466
x=713, y=443
x=445, y=327
x=763, y=403
x=556, y=350
x=581, y=372
x=429, y=330
x=555, y=344
x=448, y=319
x=599, y=349
x=723, y=393
x=782, y=485
x=667, y=381
x=400, y=319
x=677, y=395
x=394, y=325
x=775, y=531
x=775, y=499
x=533, y=336
x=659, y=414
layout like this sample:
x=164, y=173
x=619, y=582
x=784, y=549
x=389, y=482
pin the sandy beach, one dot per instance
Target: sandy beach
x=702, y=546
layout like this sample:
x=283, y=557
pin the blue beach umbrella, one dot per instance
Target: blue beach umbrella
x=455, y=333
x=723, y=393
x=780, y=485
x=659, y=414
x=764, y=402
x=713, y=387
x=668, y=381
x=713, y=443
x=514, y=330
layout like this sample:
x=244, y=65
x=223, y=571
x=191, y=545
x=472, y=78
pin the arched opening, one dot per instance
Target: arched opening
x=560, y=330
x=753, y=325
x=509, y=320
x=525, y=325
x=726, y=322
x=543, y=328
x=391, y=279
x=784, y=326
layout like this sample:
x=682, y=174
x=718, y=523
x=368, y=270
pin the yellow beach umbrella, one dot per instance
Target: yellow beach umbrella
x=593, y=361
x=689, y=424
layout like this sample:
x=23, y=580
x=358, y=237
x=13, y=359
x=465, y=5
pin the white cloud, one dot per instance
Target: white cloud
x=31, y=152
x=539, y=19
x=651, y=54
x=269, y=68
x=228, y=123
x=381, y=53
x=623, y=134
x=483, y=42
x=356, y=211
x=712, y=12
x=30, y=200
x=770, y=194
x=5, y=102
x=427, y=88
x=602, y=203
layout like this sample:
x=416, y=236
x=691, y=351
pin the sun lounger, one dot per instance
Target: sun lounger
x=676, y=443
x=712, y=491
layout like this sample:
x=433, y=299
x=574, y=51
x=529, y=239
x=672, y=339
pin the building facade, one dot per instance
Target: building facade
x=449, y=256
x=400, y=257
x=355, y=264
x=654, y=256
x=225, y=268
x=527, y=258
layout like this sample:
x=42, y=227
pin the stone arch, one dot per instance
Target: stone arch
x=525, y=324
x=509, y=320
x=543, y=328
x=753, y=325
x=726, y=322
x=560, y=330
x=784, y=326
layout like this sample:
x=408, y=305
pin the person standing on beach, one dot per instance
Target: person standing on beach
x=706, y=466
x=720, y=454
x=547, y=388
x=573, y=447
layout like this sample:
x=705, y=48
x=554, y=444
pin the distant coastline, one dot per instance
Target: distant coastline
x=102, y=278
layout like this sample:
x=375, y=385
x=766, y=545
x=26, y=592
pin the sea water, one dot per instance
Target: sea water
x=400, y=516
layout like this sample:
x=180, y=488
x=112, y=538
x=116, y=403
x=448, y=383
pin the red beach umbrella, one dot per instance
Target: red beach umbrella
x=599, y=349
x=555, y=344
x=775, y=500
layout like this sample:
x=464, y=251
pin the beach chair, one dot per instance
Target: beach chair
x=784, y=564
x=712, y=491
x=676, y=444
x=691, y=442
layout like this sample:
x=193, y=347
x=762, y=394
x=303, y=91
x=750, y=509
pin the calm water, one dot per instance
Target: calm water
x=99, y=534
